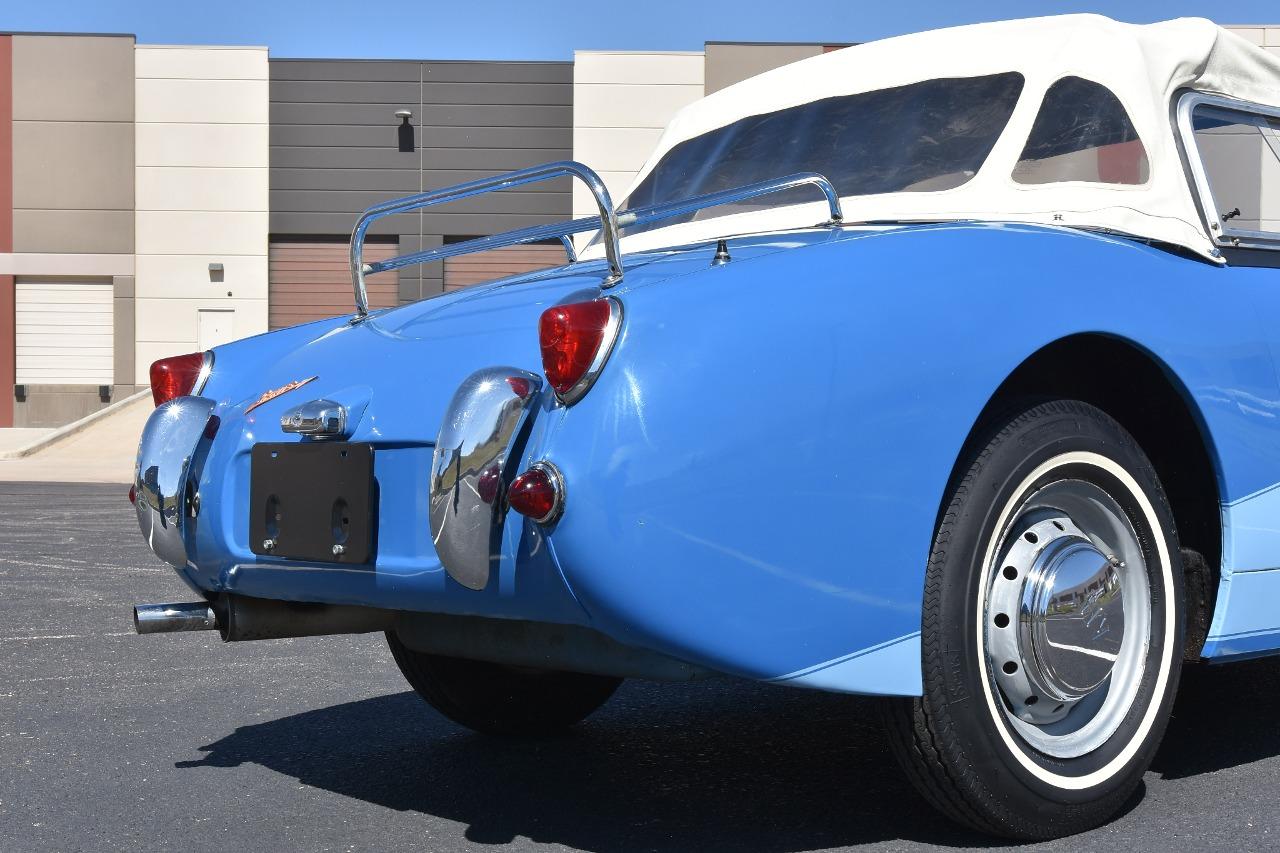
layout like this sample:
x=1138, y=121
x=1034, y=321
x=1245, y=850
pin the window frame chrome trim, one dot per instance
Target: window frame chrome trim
x=611, y=329
x=1220, y=233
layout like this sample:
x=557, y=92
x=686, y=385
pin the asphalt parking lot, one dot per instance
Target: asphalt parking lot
x=110, y=741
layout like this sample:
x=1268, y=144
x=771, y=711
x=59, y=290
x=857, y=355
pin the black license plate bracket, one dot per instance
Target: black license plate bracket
x=313, y=501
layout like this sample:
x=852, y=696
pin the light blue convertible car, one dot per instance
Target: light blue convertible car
x=942, y=368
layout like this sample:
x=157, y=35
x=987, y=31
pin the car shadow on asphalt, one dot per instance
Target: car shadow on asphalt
x=1224, y=717
x=722, y=765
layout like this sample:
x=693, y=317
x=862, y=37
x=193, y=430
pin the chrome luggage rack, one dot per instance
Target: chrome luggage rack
x=608, y=221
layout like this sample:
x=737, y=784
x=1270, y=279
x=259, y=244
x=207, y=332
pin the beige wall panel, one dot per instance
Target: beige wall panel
x=614, y=148
x=184, y=63
x=84, y=165
x=629, y=105
x=174, y=320
x=73, y=78
x=169, y=326
x=80, y=231
x=1257, y=35
x=190, y=188
x=1273, y=36
x=590, y=66
x=182, y=232
x=202, y=101
x=237, y=145
x=202, y=187
x=731, y=63
x=161, y=276
x=616, y=182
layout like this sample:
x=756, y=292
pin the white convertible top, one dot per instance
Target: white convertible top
x=1144, y=65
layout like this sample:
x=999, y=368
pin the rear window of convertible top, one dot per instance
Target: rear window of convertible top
x=923, y=137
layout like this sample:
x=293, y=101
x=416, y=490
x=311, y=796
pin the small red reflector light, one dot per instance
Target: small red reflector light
x=175, y=376
x=575, y=341
x=133, y=494
x=536, y=494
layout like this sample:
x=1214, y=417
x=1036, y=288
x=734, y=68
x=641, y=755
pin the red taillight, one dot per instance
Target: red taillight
x=538, y=493
x=576, y=340
x=175, y=376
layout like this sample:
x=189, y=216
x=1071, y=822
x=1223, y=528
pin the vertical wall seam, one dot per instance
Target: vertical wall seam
x=8, y=309
x=422, y=185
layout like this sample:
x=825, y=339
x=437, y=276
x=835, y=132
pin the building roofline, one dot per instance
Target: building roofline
x=786, y=43
x=133, y=36
x=420, y=59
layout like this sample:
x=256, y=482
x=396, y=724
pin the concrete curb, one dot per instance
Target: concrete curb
x=72, y=428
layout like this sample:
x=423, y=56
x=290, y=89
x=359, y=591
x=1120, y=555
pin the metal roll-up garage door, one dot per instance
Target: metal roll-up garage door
x=312, y=280
x=466, y=270
x=63, y=332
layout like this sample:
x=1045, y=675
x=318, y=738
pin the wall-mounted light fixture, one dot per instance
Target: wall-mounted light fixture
x=104, y=393
x=20, y=393
x=216, y=271
x=405, y=131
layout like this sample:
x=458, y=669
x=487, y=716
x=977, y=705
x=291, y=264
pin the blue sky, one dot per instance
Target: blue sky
x=501, y=29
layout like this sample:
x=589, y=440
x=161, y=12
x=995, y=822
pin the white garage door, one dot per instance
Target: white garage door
x=63, y=332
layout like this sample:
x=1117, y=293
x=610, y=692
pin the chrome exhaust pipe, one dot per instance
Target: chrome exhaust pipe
x=240, y=617
x=165, y=618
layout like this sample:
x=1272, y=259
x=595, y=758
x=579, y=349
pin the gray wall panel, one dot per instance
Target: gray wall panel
x=727, y=64
x=346, y=92
x=355, y=70
x=334, y=147
x=439, y=71
x=74, y=231
x=486, y=159
x=73, y=78
x=73, y=144
x=454, y=115
x=304, y=201
x=288, y=225
x=85, y=165
x=401, y=181
x=384, y=135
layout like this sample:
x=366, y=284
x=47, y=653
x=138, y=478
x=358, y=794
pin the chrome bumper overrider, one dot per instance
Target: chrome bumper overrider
x=469, y=472
x=169, y=441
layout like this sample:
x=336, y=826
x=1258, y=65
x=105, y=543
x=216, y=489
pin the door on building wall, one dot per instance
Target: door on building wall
x=63, y=332
x=310, y=280
x=215, y=328
x=466, y=270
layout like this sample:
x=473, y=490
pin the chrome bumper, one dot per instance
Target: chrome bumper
x=469, y=473
x=161, y=496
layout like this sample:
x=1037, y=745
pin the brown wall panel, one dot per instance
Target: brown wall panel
x=311, y=281
x=465, y=270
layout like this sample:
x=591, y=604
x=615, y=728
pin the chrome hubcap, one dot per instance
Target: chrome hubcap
x=1067, y=618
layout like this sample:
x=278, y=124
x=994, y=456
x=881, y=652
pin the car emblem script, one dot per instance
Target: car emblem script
x=268, y=396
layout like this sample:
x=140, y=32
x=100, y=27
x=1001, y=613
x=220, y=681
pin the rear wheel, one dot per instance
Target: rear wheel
x=1052, y=630
x=502, y=700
